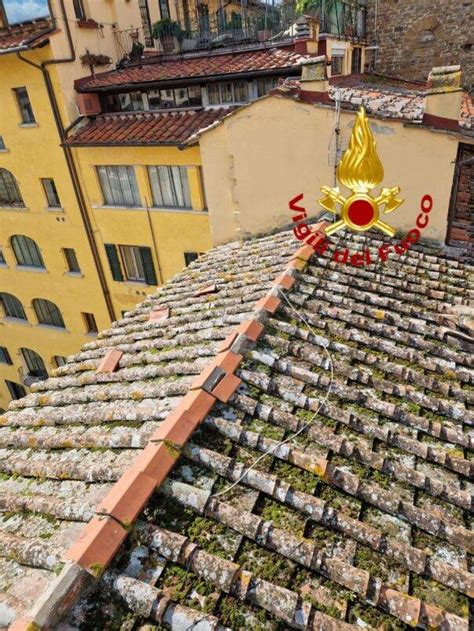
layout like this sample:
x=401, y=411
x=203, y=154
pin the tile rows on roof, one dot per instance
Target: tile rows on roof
x=24, y=34
x=361, y=520
x=188, y=66
x=144, y=128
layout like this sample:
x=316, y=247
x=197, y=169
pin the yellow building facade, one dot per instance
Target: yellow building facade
x=174, y=236
x=56, y=287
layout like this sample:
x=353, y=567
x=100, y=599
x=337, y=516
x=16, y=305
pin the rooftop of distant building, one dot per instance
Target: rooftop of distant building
x=25, y=35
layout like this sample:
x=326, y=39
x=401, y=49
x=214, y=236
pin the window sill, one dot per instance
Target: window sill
x=171, y=209
x=28, y=125
x=30, y=268
x=55, y=209
x=105, y=207
x=5, y=150
x=58, y=329
x=10, y=320
x=3, y=265
x=92, y=334
x=15, y=208
x=135, y=283
x=74, y=274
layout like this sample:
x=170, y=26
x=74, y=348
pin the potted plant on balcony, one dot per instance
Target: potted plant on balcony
x=166, y=31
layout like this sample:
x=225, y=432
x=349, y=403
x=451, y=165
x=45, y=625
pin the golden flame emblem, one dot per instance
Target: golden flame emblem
x=360, y=170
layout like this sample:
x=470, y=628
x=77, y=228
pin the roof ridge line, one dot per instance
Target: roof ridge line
x=96, y=546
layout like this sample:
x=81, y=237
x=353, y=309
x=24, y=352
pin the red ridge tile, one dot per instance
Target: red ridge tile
x=269, y=303
x=128, y=496
x=251, y=329
x=97, y=544
x=227, y=343
x=226, y=388
x=176, y=428
x=284, y=281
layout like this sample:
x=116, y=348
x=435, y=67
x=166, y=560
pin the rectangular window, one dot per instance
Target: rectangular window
x=213, y=94
x=227, y=92
x=132, y=263
x=337, y=65
x=154, y=100
x=71, y=260
x=79, y=9
x=5, y=356
x=194, y=95
x=170, y=186
x=51, y=192
x=167, y=99
x=2, y=258
x=356, y=61
x=131, y=102
x=24, y=105
x=16, y=390
x=135, y=261
x=2, y=144
x=91, y=325
x=241, y=92
x=59, y=360
x=119, y=185
x=189, y=257
x=265, y=85
x=164, y=9
x=181, y=97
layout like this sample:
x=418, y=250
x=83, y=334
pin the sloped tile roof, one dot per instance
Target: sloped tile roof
x=139, y=128
x=26, y=34
x=359, y=521
x=190, y=66
x=384, y=97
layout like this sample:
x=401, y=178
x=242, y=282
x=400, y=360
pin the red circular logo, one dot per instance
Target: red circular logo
x=360, y=212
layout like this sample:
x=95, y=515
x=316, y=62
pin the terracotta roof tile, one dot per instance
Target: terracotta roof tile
x=140, y=128
x=190, y=66
x=363, y=515
x=26, y=34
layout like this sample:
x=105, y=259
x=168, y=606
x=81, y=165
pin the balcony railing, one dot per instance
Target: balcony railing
x=246, y=25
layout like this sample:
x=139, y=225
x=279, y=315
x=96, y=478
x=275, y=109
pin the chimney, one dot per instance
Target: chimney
x=314, y=80
x=444, y=98
x=307, y=35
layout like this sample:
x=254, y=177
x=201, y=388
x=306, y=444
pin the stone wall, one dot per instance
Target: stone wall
x=462, y=209
x=415, y=35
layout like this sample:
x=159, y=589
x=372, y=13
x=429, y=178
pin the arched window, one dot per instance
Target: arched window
x=59, y=360
x=9, y=192
x=12, y=306
x=48, y=313
x=26, y=251
x=34, y=363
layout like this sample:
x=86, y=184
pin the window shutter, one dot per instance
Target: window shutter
x=149, y=268
x=114, y=262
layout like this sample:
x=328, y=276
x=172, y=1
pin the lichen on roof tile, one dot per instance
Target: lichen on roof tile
x=359, y=521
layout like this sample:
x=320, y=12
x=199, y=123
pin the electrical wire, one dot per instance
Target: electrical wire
x=275, y=448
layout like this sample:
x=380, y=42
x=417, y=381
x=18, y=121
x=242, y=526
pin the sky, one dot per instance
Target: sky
x=21, y=10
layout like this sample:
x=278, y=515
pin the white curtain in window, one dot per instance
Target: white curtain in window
x=119, y=185
x=170, y=186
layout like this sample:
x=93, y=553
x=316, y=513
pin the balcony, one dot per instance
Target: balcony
x=235, y=26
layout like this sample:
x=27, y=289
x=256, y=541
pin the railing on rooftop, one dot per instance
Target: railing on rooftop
x=248, y=24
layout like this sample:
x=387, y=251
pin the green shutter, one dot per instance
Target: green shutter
x=114, y=262
x=148, y=267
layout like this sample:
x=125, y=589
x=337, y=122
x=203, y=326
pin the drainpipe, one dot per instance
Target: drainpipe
x=68, y=155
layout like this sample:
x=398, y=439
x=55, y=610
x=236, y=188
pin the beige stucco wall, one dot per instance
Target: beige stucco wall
x=267, y=153
x=111, y=16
